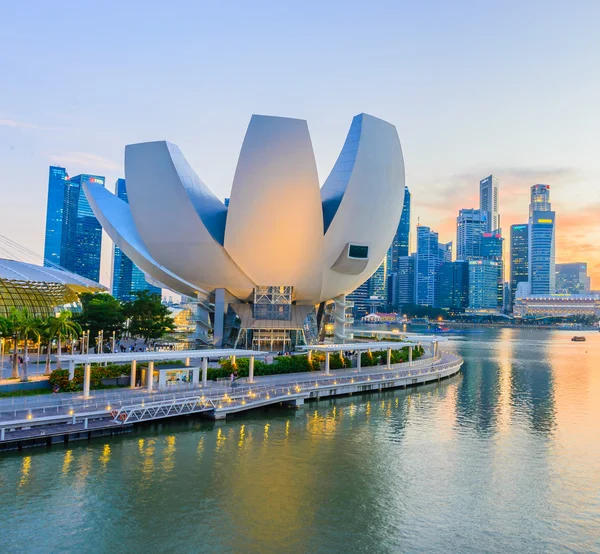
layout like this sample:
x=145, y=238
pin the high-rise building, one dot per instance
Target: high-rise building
x=540, y=199
x=454, y=285
x=427, y=266
x=127, y=277
x=488, y=202
x=73, y=234
x=360, y=297
x=401, y=244
x=445, y=250
x=572, y=278
x=81, y=240
x=483, y=285
x=492, y=248
x=470, y=225
x=541, y=265
x=406, y=280
x=54, y=214
x=519, y=258
x=378, y=281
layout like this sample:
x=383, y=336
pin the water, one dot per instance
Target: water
x=505, y=457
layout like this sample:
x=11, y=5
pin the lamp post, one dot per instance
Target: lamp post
x=2, y=357
x=114, y=337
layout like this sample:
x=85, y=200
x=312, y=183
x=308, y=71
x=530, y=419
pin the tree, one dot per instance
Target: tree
x=100, y=312
x=28, y=328
x=11, y=329
x=148, y=317
x=62, y=326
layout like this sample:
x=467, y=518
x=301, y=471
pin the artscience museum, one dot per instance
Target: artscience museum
x=270, y=270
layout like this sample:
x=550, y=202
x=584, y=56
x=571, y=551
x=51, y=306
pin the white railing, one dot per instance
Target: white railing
x=117, y=401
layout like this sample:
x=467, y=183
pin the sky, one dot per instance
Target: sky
x=474, y=87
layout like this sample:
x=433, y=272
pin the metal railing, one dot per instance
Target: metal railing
x=111, y=401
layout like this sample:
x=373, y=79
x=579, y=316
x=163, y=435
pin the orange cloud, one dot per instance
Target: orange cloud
x=437, y=204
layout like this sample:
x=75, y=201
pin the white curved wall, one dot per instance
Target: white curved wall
x=371, y=204
x=165, y=213
x=115, y=217
x=274, y=226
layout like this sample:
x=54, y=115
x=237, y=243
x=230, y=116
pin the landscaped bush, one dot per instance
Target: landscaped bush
x=60, y=377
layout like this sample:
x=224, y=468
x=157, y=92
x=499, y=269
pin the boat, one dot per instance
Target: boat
x=578, y=338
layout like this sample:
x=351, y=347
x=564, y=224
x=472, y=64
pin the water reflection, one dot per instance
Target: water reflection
x=510, y=446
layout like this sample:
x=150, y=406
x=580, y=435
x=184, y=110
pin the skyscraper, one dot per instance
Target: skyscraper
x=406, y=280
x=519, y=258
x=401, y=244
x=454, y=285
x=470, y=225
x=572, y=278
x=445, y=250
x=483, y=285
x=427, y=266
x=54, y=215
x=540, y=199
x=541, y=265
x=73, y=235
x=127, y=277
x=81, y=241
x=378, y=281
x=488, y=202
x=492, y=248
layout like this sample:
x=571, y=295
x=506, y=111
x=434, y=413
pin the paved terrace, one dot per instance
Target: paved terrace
x=22, y=418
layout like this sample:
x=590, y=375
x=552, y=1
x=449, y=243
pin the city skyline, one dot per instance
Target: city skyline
x=488, y=84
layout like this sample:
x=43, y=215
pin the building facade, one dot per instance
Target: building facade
x=454, y=285
x=488, y=202
x=57, y=179
x=541, y=266
x=426, y=269
x=519, y=257
x=492, y=248
x=73, y=238
x=127, y=278
x=405, y=277
x=572, y=278
x=401, y=244
x=483, y=286
x=445, y=252
x=541, y=306
x=470, y=226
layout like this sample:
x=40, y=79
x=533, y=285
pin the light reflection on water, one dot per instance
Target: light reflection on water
x=505, y=456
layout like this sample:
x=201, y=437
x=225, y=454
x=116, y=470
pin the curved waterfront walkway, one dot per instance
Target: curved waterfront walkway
x=47, y=416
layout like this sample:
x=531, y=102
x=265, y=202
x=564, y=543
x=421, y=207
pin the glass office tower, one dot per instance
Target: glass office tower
x=492, y=248
x=54, y=215
x=427, y=265
x=470, y=226
x=81, y=240
x=127, y=277
x=572, y=278
x=454, y=285
x=519, y=258
x=541, y=242
x=401, y=244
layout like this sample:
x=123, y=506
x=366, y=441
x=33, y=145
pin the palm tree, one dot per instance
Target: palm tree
x=29, y=328
x=63, y=326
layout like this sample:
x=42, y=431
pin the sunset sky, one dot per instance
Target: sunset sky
x=474, y=87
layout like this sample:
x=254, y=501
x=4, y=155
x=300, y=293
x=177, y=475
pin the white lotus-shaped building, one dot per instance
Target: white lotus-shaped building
x=279, y=228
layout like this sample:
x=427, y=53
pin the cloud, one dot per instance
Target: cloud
x=85, y=159
x=462, y=190
x=22, y=125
